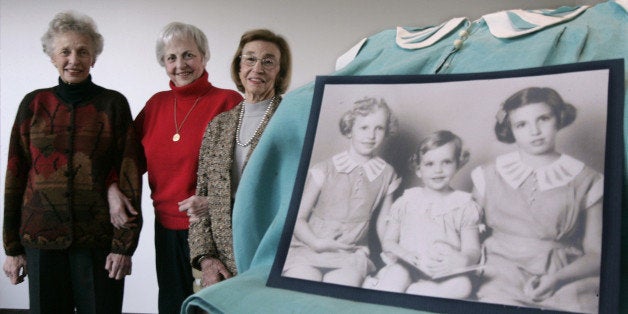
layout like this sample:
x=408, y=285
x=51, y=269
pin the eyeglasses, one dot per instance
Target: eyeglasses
x=267, y=63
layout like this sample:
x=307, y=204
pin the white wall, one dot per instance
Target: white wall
x=318, y=32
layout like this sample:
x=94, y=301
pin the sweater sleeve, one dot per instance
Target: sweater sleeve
x=138, y=124
x=201, y=239
x=18, y=166
x=127, y=159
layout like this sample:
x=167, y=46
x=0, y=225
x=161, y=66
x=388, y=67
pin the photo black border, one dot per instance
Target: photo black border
x=612, y=206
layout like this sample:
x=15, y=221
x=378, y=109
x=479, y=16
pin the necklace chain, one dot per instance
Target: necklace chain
x=259, y=125
x=177, y=127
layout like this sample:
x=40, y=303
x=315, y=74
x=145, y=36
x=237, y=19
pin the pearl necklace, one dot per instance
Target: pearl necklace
x=257, y=130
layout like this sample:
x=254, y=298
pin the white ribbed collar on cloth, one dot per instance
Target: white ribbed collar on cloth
x=557, y=174
x=503, y=24
x=372, y=168
x=514, y=23
x=421, y=38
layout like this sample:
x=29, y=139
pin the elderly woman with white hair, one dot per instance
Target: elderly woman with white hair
x=171, y=127
x=70, y=145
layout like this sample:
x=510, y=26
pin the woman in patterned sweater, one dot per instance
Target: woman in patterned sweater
x=69, y=144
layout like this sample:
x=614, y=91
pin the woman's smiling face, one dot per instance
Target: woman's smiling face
x=73, y=56
x=183, y=61
x=258, y=81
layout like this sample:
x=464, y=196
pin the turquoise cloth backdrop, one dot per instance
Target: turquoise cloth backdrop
x=264, y=194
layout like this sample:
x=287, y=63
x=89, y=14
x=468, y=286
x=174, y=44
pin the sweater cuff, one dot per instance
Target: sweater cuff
x=111, y=178
x=15, y=252
x=196, y=260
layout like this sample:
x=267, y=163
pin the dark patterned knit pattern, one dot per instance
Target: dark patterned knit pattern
x=67, y=144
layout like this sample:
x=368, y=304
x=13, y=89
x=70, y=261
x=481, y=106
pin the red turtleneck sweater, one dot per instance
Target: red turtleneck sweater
x=172, y=165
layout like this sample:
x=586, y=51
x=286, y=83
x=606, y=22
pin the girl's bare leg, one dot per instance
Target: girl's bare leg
x=304, y=272
x=393, y=277
x=344, y=276
x=455, y=288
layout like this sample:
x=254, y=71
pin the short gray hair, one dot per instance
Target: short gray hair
x=178, y=30
x=70, y=21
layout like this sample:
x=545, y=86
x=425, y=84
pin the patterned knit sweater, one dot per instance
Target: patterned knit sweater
x=67, y=143
x=212, y=235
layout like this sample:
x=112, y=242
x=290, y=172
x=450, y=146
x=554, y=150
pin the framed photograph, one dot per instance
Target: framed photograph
x=487, y=192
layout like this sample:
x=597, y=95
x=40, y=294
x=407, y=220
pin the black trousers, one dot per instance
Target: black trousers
x=174, y=272
x=60, y=281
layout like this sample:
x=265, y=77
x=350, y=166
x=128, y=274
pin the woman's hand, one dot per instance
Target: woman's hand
x=214, y=271
x=121, y=212
x=118, y=265
x=196, y=207
x=539, y=288
x=15, y=268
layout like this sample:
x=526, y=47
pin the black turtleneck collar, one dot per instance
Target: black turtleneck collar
x=79, y=92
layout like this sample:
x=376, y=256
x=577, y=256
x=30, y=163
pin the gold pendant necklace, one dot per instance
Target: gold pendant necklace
x=177, y=127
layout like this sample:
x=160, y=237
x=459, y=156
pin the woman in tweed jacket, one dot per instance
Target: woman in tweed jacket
x=261, y=69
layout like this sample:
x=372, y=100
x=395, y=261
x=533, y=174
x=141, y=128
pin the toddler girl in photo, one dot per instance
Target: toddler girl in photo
x=432, y=236
x=341, y=194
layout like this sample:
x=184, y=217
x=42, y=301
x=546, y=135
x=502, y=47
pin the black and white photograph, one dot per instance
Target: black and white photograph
x=484, y=192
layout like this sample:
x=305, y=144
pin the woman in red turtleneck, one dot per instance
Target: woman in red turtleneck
x=171, y=127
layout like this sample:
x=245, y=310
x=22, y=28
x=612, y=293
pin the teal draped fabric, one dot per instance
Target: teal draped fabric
x=265, y=191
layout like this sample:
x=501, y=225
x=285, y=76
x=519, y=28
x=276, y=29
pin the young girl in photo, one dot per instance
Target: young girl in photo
x=543, y=210
x=340, y=196
x=433, y=230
